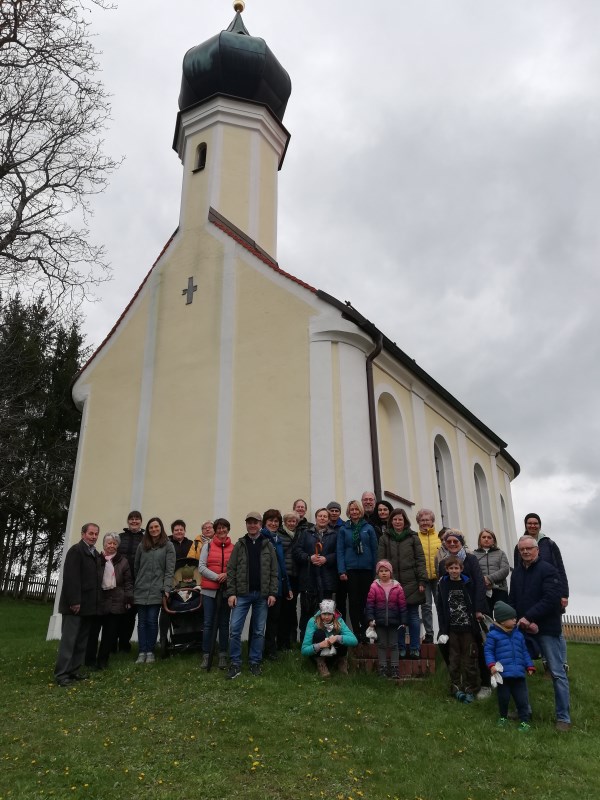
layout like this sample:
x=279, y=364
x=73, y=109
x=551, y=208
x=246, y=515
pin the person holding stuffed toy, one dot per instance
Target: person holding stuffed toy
x=386, y=609
x=456, y=604
x=508, y=659
x=327, y=640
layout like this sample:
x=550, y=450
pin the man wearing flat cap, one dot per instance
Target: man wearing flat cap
x=251, y=585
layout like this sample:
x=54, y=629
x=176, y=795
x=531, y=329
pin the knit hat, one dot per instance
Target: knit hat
x=502, y=612
x=386, y=564
x=533, y=516
x=454, y=534
x=334, y=505
x=327, y=606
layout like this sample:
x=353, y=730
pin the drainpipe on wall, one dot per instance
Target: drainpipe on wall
x=373, y=417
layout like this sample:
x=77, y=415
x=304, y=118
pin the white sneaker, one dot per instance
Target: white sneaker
x=484, y=693
x=150, y=658
x=141, y=659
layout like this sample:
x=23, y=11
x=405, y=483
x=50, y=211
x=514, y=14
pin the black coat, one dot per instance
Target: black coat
x=472, y=570
x=442, y=603
x=310, y=577
x=535, y=594
x=82, y=576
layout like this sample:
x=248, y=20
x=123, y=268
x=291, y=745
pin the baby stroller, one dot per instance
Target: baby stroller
x=181, y=618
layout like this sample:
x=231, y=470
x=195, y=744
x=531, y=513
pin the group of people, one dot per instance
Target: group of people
x=371, y=571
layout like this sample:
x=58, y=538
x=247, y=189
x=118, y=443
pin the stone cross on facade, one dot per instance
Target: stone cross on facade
x=189, y=292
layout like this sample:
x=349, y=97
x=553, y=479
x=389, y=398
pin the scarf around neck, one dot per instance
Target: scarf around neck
x=109, y=580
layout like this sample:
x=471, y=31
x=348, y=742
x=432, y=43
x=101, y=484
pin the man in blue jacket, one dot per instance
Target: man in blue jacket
x=535, y=593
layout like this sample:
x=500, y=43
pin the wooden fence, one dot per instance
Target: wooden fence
x=12, y=587
x=581, y=629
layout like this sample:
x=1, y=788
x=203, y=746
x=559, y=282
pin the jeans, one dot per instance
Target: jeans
x=517, y=687
x=147, y=627
x=554, y=651
x=210, y=606
x=426, y=608
x=258, y=603
x=414, y=628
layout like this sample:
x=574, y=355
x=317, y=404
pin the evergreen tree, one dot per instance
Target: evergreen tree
x=38, y=436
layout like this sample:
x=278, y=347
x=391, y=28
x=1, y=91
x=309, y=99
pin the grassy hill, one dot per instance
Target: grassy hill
x=170, y=731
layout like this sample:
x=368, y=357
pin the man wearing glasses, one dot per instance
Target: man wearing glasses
x=535, y=593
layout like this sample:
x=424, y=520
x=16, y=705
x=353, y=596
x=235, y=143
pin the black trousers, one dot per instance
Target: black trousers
x=359, y=582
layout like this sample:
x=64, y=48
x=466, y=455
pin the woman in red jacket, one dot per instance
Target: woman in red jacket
x=213, y=570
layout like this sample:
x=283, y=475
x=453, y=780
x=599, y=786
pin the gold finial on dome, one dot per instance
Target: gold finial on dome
x=239, y=6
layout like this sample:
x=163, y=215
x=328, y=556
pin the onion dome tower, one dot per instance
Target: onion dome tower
x=229, y=132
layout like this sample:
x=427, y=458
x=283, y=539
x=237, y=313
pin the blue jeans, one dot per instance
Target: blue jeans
x=210, y=605
x=147, y=627
x=427, y=607
x=517, y=687
x=258, y=604
x=554, y=651
x=414, y=628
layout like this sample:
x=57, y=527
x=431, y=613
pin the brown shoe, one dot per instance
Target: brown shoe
x=563, y=727
x=322, y=668
x=343, y=665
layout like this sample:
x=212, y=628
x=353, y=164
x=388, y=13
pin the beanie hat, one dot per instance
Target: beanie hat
x=502, y=612
x=451, y=533
x=327, y=606
x=334, y=505
x=532, y=516
x=386, y=564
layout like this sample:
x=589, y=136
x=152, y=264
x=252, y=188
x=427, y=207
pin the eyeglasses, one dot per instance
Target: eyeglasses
x=452, y=541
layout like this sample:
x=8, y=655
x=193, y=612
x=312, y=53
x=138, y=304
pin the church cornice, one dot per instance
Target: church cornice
x=222, y=108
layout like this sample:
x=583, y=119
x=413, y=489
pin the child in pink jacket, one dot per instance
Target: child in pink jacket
x=386, y=609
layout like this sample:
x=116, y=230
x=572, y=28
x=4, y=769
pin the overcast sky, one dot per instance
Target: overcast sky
x=443, y=175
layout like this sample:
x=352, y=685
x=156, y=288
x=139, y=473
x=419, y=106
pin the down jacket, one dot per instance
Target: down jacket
x=408, y=560
x=494, y=565
x=509, y=648
x=387, y=610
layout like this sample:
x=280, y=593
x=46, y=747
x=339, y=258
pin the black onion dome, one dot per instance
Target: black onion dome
x=237, y=64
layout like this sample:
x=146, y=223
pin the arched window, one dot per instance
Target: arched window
x=483, y=498
x=200, y=160
x=445, y=483
x=393, y=461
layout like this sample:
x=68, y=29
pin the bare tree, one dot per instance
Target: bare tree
x=52, y=111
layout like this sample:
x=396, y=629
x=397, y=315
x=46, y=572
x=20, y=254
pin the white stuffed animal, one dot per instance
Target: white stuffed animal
x=497, y=677
x=371, y=633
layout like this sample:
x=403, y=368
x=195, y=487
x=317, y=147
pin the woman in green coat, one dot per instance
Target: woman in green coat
x=154, y=568
x=401, y=547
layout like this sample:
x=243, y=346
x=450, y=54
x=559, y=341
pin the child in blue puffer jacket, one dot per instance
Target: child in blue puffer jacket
x=386, y=608
x=508, y=659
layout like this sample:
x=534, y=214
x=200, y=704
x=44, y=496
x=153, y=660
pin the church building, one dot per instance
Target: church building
x=228, y=384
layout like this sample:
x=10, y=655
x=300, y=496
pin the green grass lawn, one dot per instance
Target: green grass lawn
x=170, y=731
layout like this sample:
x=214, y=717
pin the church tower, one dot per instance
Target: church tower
x=229, y=133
